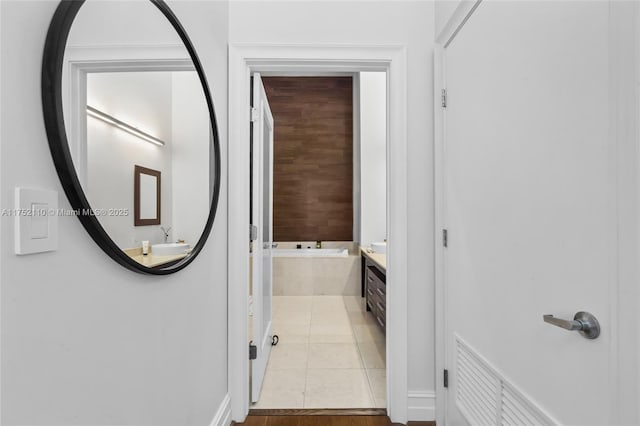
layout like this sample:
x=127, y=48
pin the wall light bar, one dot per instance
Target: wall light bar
x=96, y=113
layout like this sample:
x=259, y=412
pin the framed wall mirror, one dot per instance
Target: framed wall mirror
x=132, y=97
x=147, y=198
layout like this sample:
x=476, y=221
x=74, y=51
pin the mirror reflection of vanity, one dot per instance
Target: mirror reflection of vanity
x=139, y=144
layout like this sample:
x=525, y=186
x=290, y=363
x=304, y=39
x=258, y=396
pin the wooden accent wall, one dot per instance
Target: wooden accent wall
x=313, y=157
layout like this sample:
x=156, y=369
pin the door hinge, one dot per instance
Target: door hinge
x=446, y=378
x=444, y=98
x=253, y=232
x=253, y=351
x=254, y=114
x=445, y=238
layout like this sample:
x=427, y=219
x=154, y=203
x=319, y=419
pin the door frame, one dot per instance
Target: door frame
x=245, y=58
x=455, y=23
x=624, y=118
x=83, y=60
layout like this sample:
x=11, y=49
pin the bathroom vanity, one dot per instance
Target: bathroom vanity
x=151, y=260
x=374, y=284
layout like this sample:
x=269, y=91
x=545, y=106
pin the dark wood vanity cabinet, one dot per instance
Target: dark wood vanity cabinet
x=375, y=291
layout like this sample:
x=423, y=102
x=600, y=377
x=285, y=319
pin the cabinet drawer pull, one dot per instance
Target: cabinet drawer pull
x=380, y=322
x=380, y=292
x=381, y=307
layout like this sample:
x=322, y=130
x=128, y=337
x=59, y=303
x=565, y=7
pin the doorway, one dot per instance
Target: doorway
x=330, y=351
x=244, y=60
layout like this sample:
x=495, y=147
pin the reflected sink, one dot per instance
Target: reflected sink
x=169, y=249
x=379, y=247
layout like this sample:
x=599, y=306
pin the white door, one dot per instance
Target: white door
x=262, y=214
x=530, y=215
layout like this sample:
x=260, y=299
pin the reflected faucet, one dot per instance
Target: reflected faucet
x=166, y=233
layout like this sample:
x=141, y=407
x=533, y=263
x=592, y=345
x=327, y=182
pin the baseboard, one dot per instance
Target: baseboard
x=223, y=415
x=422, y=406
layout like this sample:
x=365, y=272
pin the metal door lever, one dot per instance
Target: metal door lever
x=584, y=322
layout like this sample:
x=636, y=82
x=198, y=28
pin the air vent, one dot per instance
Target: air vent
x=518, y=411
x=484, y=397
x=476, y=389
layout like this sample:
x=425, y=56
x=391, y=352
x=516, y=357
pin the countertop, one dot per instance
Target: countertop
x=379, y=259
x=151, y=261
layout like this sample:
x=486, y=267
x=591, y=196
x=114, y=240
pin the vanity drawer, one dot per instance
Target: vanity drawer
x=375, y=301
x=372, y=281
x=376, y=294
x=382, y=322
x=380, y=291
x=375, y=281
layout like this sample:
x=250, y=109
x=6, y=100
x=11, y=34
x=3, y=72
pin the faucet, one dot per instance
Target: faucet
x=166, y=233
x=318, y=244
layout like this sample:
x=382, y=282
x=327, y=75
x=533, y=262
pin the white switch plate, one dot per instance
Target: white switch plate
x=35, y=220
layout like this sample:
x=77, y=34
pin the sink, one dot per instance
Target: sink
x=379, y=247
x=169, y=249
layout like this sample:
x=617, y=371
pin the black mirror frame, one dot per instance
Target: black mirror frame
x=52, y=66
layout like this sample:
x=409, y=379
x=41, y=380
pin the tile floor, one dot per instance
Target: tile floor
x=331, y=354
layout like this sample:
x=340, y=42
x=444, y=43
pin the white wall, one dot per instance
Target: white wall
x=373, y=157
x=142, y=24
x=143, y=100
x=626, y=76
x=190, y=157
x=85, y=341
x=170, y=106
x=385, y=22
x=443, y=11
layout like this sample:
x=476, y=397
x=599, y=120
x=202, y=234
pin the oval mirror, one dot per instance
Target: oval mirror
x=132, y=130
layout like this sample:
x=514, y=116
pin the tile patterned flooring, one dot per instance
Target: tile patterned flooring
x=331, y=354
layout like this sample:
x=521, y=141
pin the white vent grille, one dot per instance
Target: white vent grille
x=518, y=411
x=484, y=397
x=477, y=388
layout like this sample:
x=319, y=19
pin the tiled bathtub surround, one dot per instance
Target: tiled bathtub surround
x=307, y=276
x=330, y=355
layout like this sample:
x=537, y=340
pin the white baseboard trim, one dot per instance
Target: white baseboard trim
x=223, y=415
x=422, y=406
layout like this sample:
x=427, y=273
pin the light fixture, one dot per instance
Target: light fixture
x=96, y=113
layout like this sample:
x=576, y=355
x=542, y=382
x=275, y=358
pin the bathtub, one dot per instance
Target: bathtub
x=333, y=269
x=311, y=252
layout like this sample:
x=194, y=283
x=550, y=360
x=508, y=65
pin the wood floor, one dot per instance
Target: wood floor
x=323, y=421
x=316, y=421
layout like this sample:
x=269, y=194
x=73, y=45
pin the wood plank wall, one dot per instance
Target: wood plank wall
x=313, y=157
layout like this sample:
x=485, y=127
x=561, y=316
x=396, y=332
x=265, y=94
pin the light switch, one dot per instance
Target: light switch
x=39, y=221
x=35, y=220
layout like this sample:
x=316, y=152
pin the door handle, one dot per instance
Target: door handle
x=584, y=322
